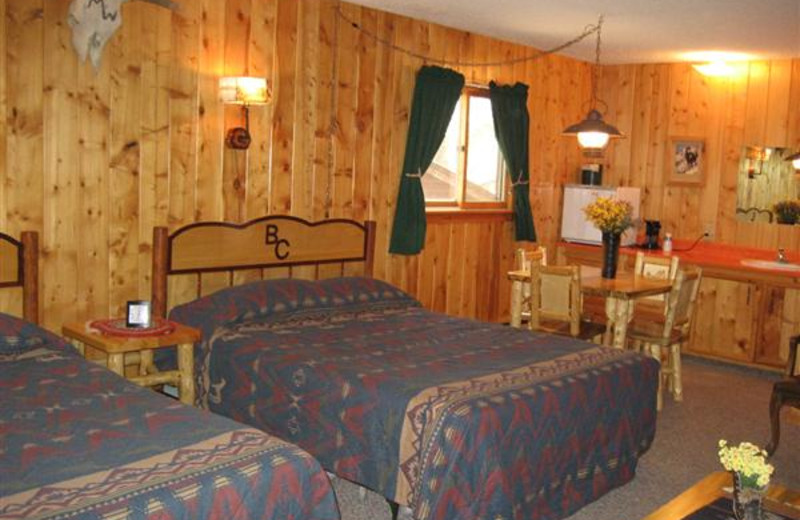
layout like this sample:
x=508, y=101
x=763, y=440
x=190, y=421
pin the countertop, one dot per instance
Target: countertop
x=715, y=255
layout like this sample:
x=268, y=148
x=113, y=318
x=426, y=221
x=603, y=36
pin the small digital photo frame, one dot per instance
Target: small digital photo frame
x=138, y=314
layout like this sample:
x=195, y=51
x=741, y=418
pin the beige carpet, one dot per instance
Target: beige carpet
x=720, y=401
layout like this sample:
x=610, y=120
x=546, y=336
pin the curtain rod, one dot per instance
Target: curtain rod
x=477, y=85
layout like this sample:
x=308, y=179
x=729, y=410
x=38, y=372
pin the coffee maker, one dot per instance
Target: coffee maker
x=652, y=229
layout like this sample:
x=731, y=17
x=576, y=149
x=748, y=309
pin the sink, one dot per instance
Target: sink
x=770, y=264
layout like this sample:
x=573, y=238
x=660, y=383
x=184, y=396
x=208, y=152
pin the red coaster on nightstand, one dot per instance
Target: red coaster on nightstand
x=116, y=327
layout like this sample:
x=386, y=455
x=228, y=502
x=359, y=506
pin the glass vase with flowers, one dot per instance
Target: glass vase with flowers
x=751, y=473
x=612, y=217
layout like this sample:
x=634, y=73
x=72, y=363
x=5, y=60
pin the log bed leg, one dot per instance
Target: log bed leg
x=186, y=369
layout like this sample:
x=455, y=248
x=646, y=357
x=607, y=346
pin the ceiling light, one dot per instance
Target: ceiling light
x=593, y=133
x=718, y=64
x=714, y=69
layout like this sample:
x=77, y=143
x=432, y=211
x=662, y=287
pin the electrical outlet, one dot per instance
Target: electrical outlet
x=708, y=230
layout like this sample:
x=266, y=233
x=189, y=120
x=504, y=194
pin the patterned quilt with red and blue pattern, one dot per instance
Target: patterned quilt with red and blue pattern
x=455, y=418
x=77, y=441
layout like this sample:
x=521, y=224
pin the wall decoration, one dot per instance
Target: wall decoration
x=685, y=157
x=93, y=22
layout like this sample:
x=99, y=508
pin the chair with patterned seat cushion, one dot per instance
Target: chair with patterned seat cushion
x=555, y=303
x=662, y=336
x=659, y=268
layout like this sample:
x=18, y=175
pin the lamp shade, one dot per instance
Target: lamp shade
x=795, y=160
x=593, y=133
x=593, y=139
x=243, y=90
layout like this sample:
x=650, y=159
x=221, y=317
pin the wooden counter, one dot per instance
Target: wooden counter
x=744, y=314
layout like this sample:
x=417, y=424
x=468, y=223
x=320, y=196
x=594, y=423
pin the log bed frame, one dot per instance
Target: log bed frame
x=19, y=267
x=276, y=241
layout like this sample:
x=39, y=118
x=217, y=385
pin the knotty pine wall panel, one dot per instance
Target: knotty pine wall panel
x=651, y=103
x=93, y=160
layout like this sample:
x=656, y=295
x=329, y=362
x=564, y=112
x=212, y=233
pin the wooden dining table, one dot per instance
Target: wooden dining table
x=619, y=293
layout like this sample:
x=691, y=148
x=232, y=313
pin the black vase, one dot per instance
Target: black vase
x=610, y=254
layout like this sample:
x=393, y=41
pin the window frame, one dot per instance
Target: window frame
x=461, y=203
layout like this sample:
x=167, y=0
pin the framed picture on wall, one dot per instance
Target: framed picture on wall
x=685, y=160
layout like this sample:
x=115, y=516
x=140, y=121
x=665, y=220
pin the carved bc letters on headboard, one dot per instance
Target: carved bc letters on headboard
x=270, y=241
x=281, y=244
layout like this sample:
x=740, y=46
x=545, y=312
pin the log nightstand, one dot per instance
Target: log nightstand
x=141, y=348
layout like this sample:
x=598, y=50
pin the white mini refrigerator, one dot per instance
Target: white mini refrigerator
x=575, y=227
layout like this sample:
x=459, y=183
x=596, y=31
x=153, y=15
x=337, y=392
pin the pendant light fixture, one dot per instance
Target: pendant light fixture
x=593, y=133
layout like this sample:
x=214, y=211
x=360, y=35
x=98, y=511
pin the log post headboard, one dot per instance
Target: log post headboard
x=19, y=267
x=263, y=243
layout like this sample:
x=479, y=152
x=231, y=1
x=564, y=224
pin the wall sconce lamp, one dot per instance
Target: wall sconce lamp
x=593, y=133
x=756, y=157
x=795, y=160
x=244, y=91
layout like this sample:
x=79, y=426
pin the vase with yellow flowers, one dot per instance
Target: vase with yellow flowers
x=751, y=473
x=612, y=217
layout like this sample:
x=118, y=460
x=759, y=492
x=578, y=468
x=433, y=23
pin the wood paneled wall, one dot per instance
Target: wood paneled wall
x=94, y=160
x=652, y=103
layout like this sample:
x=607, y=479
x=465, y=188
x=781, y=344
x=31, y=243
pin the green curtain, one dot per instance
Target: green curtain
x=511, y=126
x=435, y=96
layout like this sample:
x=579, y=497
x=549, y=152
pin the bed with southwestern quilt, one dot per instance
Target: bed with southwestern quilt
x=77, y=441
x=455, y=418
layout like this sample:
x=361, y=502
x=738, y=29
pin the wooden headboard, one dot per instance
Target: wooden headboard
x=284, y=242
x=19, y=267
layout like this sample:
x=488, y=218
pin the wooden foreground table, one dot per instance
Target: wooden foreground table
x=778, y=499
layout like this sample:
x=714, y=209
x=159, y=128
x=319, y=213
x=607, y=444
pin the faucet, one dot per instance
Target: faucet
x=782, y=256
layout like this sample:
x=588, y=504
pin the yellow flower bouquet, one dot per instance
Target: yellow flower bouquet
x=748, y=461
x=610, y=215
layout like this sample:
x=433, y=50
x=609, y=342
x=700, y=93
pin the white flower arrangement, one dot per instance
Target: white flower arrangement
x=749, y=461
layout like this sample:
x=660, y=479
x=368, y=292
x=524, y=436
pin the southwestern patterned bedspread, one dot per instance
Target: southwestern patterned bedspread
x=455, y=418
x=77, y=441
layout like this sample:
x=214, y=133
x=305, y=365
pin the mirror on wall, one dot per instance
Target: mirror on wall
x=765, y=179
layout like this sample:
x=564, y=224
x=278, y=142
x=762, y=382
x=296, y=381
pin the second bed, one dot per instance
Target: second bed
x=454, y=418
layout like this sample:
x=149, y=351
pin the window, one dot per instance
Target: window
x=468, y=170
